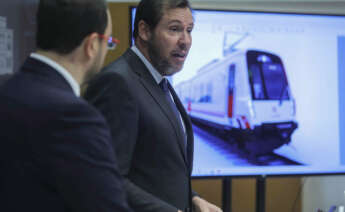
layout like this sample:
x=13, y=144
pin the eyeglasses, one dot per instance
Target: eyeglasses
x=111, y=42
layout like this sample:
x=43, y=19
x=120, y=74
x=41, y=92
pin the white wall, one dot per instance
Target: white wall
x=318, y=192
x=323, y=192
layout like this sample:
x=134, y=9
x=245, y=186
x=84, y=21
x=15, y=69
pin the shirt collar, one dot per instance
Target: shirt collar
x=156, y=75
x=64, y=73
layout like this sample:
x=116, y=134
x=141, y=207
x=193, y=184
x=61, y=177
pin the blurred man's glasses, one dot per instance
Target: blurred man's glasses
x=111, y=42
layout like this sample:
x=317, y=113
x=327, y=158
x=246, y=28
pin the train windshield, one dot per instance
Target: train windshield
x=266, y=76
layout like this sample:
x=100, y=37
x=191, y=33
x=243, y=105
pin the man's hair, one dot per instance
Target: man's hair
x=152, y=11
x=62, y=25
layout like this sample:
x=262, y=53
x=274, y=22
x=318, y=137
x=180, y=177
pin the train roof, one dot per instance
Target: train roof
x=232, y=54
x=217, y=60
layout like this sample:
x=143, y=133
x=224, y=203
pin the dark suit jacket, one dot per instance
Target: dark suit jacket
x=55, y=152
x=4, y=78
x=146, y=137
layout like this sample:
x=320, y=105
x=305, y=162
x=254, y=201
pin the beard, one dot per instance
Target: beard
x=162, y=64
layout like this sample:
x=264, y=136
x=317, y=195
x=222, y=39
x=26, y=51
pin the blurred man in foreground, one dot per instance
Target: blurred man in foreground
x=55, y=152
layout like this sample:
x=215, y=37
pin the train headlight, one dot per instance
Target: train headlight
x=263, y=58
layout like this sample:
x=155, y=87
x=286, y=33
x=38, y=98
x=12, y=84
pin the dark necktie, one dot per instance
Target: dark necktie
x=164, y=85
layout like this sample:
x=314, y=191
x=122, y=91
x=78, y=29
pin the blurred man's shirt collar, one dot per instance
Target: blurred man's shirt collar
x=64, y=73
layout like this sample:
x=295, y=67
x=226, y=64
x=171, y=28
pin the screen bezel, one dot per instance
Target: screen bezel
x=254, y=11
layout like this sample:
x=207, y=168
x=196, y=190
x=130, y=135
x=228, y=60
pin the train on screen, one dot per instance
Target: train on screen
x=245, y=95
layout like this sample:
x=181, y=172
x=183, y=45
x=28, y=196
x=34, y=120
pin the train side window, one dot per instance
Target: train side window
x=201, y=93
x=275, y=81
x=209, y=92
x=196, y=94
x=232, y=77
x=231, y=88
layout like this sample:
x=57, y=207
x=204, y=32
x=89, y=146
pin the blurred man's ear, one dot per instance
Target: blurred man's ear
x=91, y=44
x=144, y=31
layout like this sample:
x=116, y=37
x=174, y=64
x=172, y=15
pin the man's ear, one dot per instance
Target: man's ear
x=91, y=45
x=144, y=31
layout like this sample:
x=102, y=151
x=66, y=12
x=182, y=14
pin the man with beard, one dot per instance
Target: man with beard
x=151, y=131
x=55, y=152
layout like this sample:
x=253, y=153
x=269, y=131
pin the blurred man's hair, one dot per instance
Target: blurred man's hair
x=62, y=25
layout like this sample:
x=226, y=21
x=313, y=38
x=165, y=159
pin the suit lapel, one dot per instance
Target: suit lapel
x=157, y=94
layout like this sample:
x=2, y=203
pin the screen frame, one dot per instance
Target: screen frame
x=254, y=10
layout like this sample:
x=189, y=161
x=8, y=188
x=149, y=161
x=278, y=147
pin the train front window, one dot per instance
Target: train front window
x=275, y=82
x=266, y=76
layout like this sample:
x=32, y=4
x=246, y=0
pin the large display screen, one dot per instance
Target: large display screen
x=266, y=93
